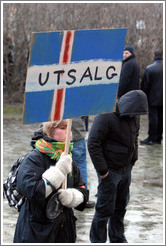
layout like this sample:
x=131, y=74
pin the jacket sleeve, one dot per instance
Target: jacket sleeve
x=29, y=178
x=135, y=154
x=125, y=78
x=97, y=137
x=79, y=184
x=145, y=81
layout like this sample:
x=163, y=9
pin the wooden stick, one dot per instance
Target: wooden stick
x=114, y=109
x=67, y=145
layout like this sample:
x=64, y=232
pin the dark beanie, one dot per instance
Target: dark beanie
x=129, y=48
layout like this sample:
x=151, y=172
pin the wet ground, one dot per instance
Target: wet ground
x=144, y=221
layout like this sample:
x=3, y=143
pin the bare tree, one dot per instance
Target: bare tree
x=144, y=23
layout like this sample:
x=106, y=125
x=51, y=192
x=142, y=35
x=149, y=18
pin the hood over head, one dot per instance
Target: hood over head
x=133, y=103
x=37, y=134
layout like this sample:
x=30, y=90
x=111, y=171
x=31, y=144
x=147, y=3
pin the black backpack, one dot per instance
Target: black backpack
x=15, y=199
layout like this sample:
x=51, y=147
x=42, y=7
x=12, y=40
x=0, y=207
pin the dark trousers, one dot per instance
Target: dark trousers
x=112, y=199
x=155, y=123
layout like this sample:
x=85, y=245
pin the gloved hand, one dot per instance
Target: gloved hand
x=70, y=198
x=56, y=174
x=64, y=163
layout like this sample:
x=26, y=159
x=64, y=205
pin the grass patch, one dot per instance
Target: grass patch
x=13, y=110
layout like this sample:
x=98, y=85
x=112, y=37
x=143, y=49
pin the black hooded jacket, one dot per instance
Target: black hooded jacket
x=33, y=226
x=112, y=141
x=129, y=77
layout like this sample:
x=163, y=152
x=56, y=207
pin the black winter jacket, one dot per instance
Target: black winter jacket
x=129, y=77
x=152, y=83
x=33, y=226
x=112, y=142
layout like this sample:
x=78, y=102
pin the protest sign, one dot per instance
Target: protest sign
x=72, y=73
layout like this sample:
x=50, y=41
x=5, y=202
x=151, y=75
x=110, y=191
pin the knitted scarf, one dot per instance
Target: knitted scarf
x=53, y=149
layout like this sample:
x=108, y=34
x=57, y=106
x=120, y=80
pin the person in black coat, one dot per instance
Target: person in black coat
x=113, y=148
x=46, y=216
x=152, y=85
x=130, y=72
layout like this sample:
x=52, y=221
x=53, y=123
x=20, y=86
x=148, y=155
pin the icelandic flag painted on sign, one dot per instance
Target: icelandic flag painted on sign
x=72, y=73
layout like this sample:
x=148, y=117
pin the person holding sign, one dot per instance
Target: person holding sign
x=112, y=146
x=46, y=215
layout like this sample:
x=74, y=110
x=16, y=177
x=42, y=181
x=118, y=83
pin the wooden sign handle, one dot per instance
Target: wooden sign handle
x=67, y=145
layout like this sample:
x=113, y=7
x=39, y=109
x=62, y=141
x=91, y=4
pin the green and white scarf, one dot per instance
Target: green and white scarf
x=53, y=149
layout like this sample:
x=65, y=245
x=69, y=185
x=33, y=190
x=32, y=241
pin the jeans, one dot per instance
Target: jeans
x=112, y=200
x=79, y=155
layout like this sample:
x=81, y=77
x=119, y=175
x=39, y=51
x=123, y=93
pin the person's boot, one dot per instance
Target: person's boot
x=120, y=240
x=147, y=141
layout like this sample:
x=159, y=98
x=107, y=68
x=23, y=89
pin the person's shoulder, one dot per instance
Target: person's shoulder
x=34, y=155
x=104, y=115
x=36, y=159
x=134, y=61
x=131, y=62
x=150, y=67
x=78, y=123
x=105, y=118
x=129, y=59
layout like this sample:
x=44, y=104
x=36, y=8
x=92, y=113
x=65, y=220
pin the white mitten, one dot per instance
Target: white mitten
x=64, y=164
x=70, y=197
x=56, y=174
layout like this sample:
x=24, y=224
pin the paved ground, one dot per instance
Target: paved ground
x=144, y=217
